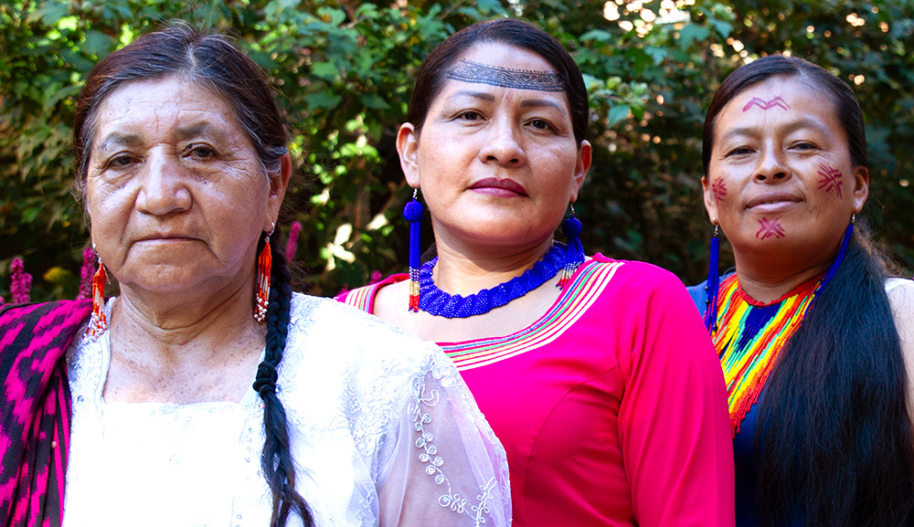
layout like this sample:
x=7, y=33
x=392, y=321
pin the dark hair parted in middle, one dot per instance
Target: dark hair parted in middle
x=212, y=62
x=508, y=31
x=835, y=442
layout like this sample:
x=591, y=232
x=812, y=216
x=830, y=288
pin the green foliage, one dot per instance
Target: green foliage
x=345, y=70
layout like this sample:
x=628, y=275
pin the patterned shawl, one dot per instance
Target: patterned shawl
x=35, y=409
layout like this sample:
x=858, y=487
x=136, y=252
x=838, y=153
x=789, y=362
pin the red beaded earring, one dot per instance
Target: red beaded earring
x=264, y=266
x=98, y=324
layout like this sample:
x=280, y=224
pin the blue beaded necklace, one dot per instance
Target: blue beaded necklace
x=436, y=302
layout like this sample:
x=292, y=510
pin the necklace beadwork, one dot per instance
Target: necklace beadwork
x=436, y=302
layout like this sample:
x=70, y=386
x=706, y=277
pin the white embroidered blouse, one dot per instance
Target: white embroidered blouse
x=383, y=430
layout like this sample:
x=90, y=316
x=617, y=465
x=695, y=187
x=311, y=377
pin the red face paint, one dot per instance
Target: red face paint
x=830, y=179
x=765, y=105
x=769, y=228
x=719, y=189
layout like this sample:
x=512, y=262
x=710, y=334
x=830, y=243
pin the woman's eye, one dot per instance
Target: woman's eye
x=470, y=116
x=120, y=161
x=540, y=124
x=741, y=151
x=804, y=146
x=202, y=152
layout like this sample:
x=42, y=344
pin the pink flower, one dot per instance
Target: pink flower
x=85, y=274
x=375, y=277
x=20, y=282
x=292, y=243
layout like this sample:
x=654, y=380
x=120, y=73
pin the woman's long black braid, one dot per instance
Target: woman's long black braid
x=276, y=459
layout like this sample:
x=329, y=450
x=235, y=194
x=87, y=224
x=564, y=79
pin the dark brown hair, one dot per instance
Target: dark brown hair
x=213, y=62
x=508, y=31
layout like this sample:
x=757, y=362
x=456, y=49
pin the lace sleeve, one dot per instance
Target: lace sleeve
x=444, y=466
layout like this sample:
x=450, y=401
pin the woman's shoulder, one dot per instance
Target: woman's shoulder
x=634, y=274
x=362, y=298
x=352, y=335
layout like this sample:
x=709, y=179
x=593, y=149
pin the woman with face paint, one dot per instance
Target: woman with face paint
x=595, y=373
x=816, y=342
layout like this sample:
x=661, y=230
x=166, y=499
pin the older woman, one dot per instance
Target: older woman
x=604, y=390
x=144, y=412
x=816, y=343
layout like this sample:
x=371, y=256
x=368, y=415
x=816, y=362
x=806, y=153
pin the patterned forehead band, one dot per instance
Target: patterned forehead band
x=469, y=71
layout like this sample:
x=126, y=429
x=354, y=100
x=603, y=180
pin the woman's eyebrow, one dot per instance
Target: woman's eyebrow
x=488, y=97
x=539, y=103
x=120, y=139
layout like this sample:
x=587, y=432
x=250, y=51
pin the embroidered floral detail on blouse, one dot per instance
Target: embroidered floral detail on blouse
x=425, y=399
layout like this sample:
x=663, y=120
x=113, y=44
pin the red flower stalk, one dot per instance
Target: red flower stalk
x=20, y=282
x=85, y=274
x=292, y=243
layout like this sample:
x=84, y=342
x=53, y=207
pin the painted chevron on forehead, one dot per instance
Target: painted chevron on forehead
x=469, y=71
x=765, y=105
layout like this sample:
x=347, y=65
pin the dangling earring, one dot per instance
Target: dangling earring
x=264, y=267
x=841, y=252
x=98, y=323
x=713, y=282
x=574, y=255
x=412, y=211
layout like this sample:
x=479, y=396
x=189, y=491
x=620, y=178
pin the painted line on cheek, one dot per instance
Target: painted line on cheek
x=765, y=105
x=769, y=228
x=719, y=190
x=831, y=179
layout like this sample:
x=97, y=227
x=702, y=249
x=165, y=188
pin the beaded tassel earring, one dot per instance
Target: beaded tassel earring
x=264, y=267
x=98, y=323
x=713, y=282
x=574, y=255
x=412, y=211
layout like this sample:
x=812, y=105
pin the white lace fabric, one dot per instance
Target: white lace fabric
x=383, y=430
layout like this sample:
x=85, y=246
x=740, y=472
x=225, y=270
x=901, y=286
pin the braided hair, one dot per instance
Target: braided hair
x=276, y=459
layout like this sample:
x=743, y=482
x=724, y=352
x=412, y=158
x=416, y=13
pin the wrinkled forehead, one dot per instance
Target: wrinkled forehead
x=473, y=72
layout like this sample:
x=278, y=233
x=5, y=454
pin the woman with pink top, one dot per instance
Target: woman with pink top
x=595, y=373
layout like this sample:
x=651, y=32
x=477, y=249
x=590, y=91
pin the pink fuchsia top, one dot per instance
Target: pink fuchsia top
x=611, y=406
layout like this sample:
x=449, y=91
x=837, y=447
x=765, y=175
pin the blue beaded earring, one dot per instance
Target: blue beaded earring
x=574, y=255
x=413, y=211
x=713, y=282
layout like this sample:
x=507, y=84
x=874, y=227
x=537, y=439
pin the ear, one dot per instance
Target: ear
x=278, y=185
x=861, y=187
x=408, y=148
x=581, y=166
x=710, y=204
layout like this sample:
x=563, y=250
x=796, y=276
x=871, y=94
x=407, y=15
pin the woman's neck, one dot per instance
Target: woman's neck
x=767, y=285
x=465, y=271
x=183, y=354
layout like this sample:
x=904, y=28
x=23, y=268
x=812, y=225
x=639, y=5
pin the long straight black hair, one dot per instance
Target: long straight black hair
x=212, y=61
x=835, y=443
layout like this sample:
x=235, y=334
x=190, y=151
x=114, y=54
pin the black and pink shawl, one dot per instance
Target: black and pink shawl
x=35, y=409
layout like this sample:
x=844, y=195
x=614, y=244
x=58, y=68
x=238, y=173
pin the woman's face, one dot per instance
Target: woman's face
x=496, y=161
x=175, y=192
x=780, y=181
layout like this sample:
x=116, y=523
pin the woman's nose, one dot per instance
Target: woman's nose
x=504, y=145
x=772, y=166
x=163, y=188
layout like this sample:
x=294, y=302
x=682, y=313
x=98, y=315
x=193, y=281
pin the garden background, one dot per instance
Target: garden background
x=345, y=70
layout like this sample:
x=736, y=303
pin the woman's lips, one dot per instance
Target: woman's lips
x=505, y=188
x=775, y=202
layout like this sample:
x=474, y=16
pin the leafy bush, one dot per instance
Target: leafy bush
x=345, y=70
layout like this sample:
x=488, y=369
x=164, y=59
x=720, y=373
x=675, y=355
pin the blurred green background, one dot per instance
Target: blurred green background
x=345, y=70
